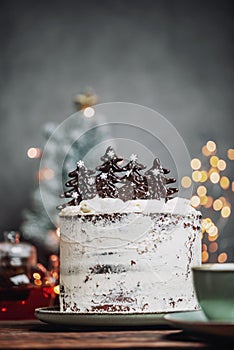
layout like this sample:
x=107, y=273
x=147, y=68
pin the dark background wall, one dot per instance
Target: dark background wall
x=173, y=56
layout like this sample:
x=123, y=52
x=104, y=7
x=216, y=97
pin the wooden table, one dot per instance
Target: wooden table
x=37, y=335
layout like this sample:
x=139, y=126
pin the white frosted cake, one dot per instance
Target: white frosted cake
x=126, y=246
x=129, y=257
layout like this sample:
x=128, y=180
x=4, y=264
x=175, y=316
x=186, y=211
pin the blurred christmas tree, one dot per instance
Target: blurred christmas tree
x=74, y=141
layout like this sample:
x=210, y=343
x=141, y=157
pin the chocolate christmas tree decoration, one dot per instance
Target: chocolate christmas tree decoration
x=107, y=184
x=135, y=184
x=110, y=155
x=106, y=179
x=157, y=182
x=82, y=185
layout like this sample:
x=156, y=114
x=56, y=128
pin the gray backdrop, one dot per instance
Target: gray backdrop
x=173, y=56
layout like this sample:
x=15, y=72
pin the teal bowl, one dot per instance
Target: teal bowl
x=214, y=286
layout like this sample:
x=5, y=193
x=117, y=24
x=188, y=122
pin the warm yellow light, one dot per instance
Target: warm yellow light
x=204, y=176
x=205, y=151
x=211, y=146
x=195, y=164
x=221, y=165
x=213, y=238
x=205, y=256
x=37, y=282
x=212, y=231
x=196, y=176
x=195, y=201
x=214, y=161
x=222, y=257
x=213, y=170
x=214, y=177
x=45, y=174
x=37, y=276
x=58, y=232
x=206, y=223
x=226, y=212
x=230, y=154
x=201, y=190
x=204, y=247
x=217, y=205
x=56, y=289
x=203, y=200
x=224, y=182
x=34, y=152
x=186, y=182
x=89, y=112
x=209, y=202
x=213, y=247
x=232, y=186
x=223, y=199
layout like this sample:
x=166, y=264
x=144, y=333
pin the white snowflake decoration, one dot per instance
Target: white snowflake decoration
x=91, y=181
x=128, y=172
x=103, y=176
x=80, y=163
x=156, y=172
x=75, y=195
x=111, y=154
x=133, y=157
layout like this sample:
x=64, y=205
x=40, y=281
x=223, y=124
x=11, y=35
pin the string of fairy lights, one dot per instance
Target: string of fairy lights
x=213, y=194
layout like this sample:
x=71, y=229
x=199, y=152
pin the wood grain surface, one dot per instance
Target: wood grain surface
x=37, y=335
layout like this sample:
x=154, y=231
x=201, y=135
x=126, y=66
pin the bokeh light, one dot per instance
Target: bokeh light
x=222, y=258
x=203, y=200
x=89, y=112
x=221, y=165
x=230, y=154
x=201, y=190
x=214, y=161
x=224, y=182
x=211, y=146
x=226, y=212
x=213, y=238
x=212, y=230
x=214, y=177
x=205, y=151
x=213, y=247
x=195, y=163
x=205, y=256
x=196, y=176
x=209, y=202
x=186, y=182
x=217, y=205
x=195, y=201
x=204, y=176
x=45, y=174
x=56, y=289
x=34, y=152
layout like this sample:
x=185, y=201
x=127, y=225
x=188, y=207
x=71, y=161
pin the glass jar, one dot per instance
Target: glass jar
x=24, y=284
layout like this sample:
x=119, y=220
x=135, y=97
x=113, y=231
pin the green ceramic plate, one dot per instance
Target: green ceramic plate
x=52, y=315
x=197, y=322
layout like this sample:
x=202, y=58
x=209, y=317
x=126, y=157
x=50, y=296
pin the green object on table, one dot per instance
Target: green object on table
x=214, y=285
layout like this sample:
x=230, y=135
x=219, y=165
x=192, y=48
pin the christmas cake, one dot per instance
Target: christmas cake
x=126, y=245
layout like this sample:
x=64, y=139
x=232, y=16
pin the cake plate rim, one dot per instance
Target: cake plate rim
x=53, y=315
